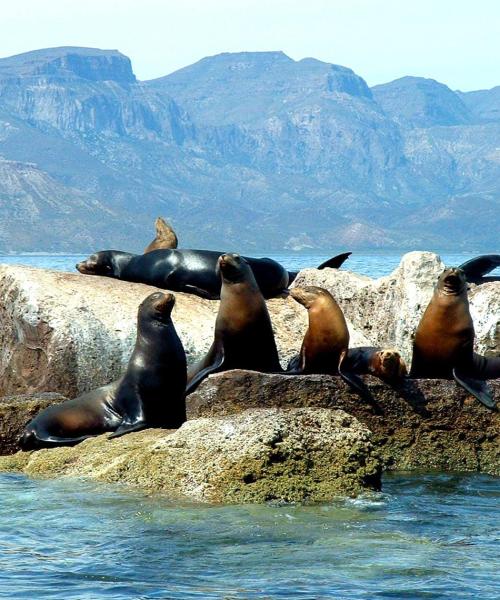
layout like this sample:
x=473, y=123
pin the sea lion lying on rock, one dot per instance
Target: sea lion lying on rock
x=190, y=271
x=149, y=394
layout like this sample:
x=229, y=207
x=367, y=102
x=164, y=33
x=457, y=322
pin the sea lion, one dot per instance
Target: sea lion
x=326, y=342
x=149, y=394
x=191, y=271
x=385, y=363
x=243, y=337
x=444, y=340
x=165, y=237
x=477, y=268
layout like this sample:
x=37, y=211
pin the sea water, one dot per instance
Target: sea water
x=425, y=536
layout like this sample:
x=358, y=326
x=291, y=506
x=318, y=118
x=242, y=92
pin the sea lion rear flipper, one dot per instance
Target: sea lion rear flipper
x=477, y=388
x=215, y=365
x=335, y=262
x=478, y=267
x=125, y=428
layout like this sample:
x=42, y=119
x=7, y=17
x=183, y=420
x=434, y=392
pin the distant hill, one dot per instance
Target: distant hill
x=245, y=151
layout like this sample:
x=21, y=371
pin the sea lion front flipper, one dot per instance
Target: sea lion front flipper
x=192, y=289
x=125, y=428
x=335, y=262
x=217, y=360
x=356, y=383
x=477, y=388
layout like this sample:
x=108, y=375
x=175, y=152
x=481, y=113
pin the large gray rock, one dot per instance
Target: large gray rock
x=387, y=310
x=273, y=454
x=69, y=333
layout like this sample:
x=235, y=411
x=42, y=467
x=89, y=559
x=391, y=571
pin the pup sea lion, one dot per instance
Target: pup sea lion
x=149, y=394
x=326, y=342
x=244, y=337
x=444, y=340
x=385, y=363
x=165, y=237
x=191, y=271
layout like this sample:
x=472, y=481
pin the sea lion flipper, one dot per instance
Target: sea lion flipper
x=476, y=268
x=477, y=388
x=192, y=289
x=126, y=427
x=217, y=360
x=356, y=383
x=335, y=262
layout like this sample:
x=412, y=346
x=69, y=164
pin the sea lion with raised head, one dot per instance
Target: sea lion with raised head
x=444, y=340
x=165, y=237
x=326, y=342
x=149, y=394
x=243, y=337
x=190, y=271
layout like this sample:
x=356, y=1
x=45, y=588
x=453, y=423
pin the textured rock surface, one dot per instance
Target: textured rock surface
x=387, y=310
x=69, y=333
x=16, y=412
x=429, y=424
x=286, y=455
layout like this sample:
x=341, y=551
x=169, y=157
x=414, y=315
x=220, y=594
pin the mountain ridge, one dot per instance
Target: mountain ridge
x=250, y=150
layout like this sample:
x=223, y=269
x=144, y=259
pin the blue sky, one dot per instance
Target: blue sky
x=456, y=42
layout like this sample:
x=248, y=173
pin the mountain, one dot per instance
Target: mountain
x=247, y=151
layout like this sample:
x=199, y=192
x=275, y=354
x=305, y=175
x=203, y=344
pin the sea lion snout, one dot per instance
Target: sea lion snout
x=162, y=302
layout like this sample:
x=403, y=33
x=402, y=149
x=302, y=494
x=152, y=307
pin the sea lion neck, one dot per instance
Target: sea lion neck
x=121, y=260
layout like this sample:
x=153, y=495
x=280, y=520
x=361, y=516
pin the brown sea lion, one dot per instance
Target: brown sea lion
x=149, y=394
x=243, y=337
x=385, y=363
x=326, y=342
x=444, y=340
x=165, y=237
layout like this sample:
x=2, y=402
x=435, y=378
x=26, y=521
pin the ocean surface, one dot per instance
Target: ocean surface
x=373, y=264
x=425, y=536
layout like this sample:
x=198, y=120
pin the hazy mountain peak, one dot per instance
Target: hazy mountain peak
x=68, y=62
x=421, y=102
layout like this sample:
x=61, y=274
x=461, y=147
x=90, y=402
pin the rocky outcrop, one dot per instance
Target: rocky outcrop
x=427, y=424
x=69, y=333
x=291, y=455
x=387, y=310
x=16, y=412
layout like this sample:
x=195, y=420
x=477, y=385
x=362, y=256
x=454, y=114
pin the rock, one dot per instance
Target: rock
x=428, y=424
x=70, y=333
x=387, y=310
x=291, y=455
x=16, y=412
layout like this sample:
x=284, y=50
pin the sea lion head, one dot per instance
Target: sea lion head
x=233, y=268
x=452, y=281
x=308, y=294
x=157, y=306
x=100, y=263
x=389, y=364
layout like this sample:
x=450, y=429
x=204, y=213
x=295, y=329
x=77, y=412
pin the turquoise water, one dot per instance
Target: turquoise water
x=426, y=536
x=373, y=264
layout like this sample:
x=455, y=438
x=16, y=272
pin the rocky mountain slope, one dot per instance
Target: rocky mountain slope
x=244, y=151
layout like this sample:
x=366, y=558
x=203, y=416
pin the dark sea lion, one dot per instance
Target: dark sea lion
x=477, y=268
x=191, y=271
x=444, y=340
x=385, y=363
x=165, y=237
x=149, y=394
x=326, y=342
x=243, y=337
